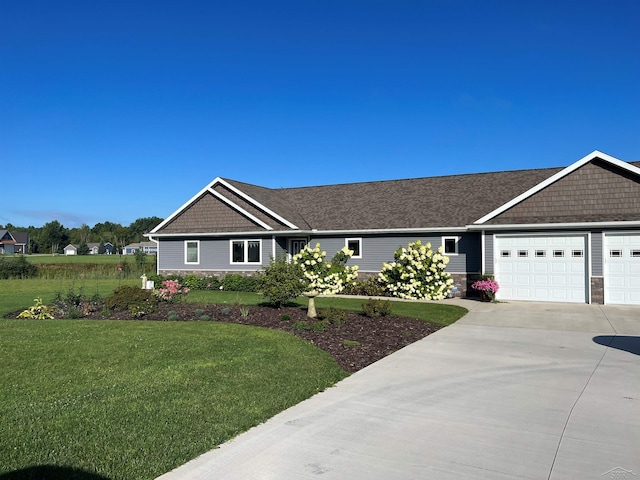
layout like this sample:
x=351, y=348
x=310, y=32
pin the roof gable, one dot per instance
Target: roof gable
x=587, y=190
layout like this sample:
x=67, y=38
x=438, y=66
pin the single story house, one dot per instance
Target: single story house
x=150, y=248
x=94, y=248
x=552, y=234
x=13, y=242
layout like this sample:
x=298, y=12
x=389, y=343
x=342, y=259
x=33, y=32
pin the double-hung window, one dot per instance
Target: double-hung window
x=192, y=252
x=246, y=251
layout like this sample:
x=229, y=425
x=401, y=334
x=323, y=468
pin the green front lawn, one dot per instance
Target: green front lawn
x=132, y=400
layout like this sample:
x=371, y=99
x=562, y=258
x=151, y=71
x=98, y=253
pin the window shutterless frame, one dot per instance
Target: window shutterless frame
x=192, y=252
x=450, y=245
x=245, y=251
x=354, y=244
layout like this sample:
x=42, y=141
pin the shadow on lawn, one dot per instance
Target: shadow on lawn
x=621, y=342
x=50, y=472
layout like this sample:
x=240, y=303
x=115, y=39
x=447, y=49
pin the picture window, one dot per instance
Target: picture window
x=246, y=251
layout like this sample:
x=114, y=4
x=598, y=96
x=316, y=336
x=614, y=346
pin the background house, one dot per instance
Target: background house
x=13, y=242
x=150, y=248
x=555, y=234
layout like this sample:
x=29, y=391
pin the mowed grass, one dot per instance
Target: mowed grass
x=84, y=259
x=133, y=399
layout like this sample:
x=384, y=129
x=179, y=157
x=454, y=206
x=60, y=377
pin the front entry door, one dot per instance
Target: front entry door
x=297, y=245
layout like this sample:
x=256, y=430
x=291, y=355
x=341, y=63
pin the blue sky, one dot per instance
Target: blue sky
x=112, y=111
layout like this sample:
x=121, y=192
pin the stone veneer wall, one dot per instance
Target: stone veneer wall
x=597, y=290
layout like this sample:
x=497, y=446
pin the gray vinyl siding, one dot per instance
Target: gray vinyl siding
x=214, y=255
x=488, y=254
x=597, y=269
x=377, y=249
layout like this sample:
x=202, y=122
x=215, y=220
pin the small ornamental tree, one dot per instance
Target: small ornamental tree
x=417, y=273
x=281, y=281
x=325, y=277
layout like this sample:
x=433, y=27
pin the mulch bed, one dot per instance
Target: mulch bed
x=356, y=343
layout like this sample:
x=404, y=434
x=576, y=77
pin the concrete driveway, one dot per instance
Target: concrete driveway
x=512, y=390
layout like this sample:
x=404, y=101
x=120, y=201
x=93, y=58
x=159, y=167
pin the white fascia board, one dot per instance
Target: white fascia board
x=312, y=232
x=555, y=226
x=239, y=209
x=185, y=205
x=257, y=204
x=554, y=178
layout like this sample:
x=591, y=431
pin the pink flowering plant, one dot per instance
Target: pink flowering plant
x=487, y=287
x=172, y=292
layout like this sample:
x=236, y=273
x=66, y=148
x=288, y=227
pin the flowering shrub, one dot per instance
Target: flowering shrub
x=171, y=291
x=326, y=277
x=38, y=311
x=487, y=287
x=417, y=273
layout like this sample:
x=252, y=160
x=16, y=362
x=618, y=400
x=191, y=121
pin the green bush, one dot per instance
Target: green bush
x=235, y=282
x=320, y=326
x=76, y=304
x=377, y=308
x=333, y=315
x=17, y=267
x=285, y=317
x=370, y=287
x=300, y=325
x=126, y=297
x=280, y=281
x=195, y=282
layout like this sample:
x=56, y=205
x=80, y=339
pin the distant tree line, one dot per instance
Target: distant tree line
x=52, y=237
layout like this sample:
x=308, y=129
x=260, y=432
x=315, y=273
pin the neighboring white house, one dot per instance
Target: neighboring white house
x=70, y=250
x=150, y=248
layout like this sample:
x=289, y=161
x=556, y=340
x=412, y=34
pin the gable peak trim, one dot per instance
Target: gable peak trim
x=596, y=154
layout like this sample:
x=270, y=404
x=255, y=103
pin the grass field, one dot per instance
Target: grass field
x=84, y=259
x=132, y=400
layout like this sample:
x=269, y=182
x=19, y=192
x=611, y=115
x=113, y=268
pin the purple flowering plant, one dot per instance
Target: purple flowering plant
x=487, y=287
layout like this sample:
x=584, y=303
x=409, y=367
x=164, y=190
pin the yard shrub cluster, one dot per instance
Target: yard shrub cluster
x=38, y=311
x=325, y=277
x=16, y=267
x=76, y=304
x=417, y=272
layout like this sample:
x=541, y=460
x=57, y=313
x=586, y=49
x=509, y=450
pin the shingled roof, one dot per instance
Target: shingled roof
x=433, y=202
x=452, y=201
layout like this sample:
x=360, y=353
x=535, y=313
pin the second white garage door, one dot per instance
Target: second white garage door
x=542, y=268
x=622, y=269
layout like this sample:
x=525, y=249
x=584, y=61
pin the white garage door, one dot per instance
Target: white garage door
x=542, y=268
x=622, y=269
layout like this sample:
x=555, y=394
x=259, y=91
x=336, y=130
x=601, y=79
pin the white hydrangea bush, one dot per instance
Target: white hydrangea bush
x=325, y=277
x=417, y=273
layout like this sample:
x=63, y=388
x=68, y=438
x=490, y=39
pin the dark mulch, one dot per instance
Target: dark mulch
x=356, y=343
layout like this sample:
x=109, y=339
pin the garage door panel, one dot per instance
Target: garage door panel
x=544, y=268
x=622, y=268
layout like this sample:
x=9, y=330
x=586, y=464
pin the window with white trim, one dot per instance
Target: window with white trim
x=192, y=252
x=246, y=251
x=450, y=245
x=354, y=244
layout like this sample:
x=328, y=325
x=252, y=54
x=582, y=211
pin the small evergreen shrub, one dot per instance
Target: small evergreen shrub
x=225, y=311
x=204, y=318
x=377, y=308
x=172, y=316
